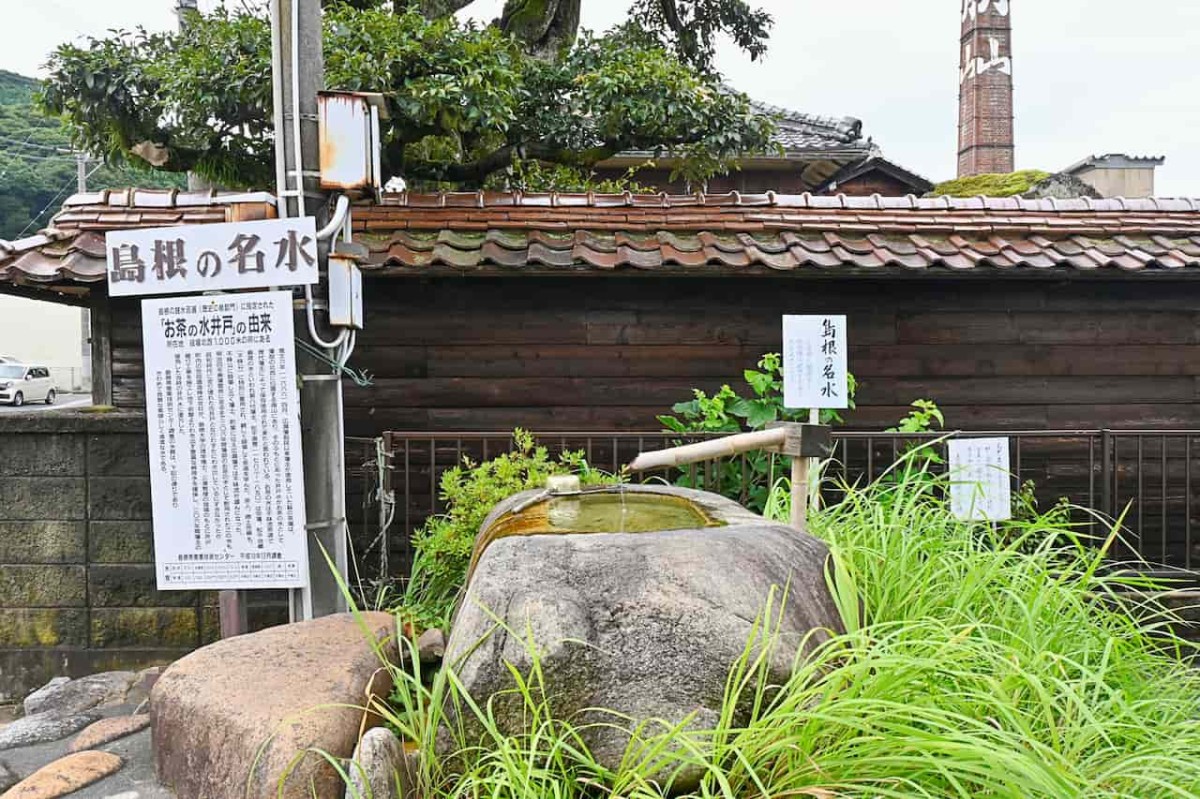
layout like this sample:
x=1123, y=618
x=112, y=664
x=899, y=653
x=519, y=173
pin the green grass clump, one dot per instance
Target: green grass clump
x=991, y=185
x=976, y=663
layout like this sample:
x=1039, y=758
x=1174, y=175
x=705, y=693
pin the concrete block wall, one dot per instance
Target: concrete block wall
x=77, y=586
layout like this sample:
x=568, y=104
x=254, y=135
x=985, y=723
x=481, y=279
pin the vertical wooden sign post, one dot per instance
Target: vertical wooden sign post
x=815, y=376
x=800, y=441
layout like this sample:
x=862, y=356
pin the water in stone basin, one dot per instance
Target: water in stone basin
x=602, y=512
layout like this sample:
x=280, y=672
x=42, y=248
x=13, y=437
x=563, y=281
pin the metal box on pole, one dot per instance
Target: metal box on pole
x=350, y=143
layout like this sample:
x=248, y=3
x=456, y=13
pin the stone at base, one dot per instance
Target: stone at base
x=42, y=728
x=65, y=776
x=107, y=730
x=231, y=719
x=382, y=768
x=73, y=696
x=431, y=646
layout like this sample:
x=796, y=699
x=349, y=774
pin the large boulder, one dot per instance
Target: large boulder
x=644, y=624
x=235, y=718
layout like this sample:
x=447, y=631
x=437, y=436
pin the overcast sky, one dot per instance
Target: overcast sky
x=1092, y=76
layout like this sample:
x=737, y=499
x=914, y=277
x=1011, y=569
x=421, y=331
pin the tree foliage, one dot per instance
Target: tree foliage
x=466, y=102
x=37, y=169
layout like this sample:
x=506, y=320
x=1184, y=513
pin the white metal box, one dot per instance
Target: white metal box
x=349, y=140
x=345, y=293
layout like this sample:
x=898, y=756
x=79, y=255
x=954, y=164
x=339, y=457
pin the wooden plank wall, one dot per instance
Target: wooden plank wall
x=606, y=352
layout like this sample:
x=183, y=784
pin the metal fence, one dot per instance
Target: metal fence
x=1145, y=478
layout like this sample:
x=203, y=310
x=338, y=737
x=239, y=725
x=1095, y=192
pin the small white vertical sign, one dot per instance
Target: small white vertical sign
x=981, y=484
x=222, y=413
x=814, y=362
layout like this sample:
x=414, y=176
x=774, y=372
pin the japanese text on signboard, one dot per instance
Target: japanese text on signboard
x=196, y=258
x=222, y=414
x=981, y=487
x=814, y=362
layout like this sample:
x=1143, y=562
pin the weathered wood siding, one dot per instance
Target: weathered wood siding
x=595, y=353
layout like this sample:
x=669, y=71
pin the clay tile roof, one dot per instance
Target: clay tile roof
x=551, y=233
x=71, y=249
x=768, y=233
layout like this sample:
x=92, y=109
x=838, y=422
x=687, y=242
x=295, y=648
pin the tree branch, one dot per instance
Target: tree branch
x=671, y=15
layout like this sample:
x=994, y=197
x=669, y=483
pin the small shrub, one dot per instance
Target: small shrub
x=729, y=412
x=442, y=546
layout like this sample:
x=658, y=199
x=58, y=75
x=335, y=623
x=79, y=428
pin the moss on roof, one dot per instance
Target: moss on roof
x=1005, y=185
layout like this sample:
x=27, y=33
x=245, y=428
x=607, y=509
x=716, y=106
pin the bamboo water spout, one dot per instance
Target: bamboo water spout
x=799, y=441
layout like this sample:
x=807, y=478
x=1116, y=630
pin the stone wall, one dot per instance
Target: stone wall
x=77, y=584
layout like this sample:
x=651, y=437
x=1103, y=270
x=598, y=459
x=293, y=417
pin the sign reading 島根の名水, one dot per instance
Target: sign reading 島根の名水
x=198, y=258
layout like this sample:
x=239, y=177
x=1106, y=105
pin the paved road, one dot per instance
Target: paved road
x=63, y=401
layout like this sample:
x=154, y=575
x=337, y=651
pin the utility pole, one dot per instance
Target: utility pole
x=298, y=75
x=85, y=316
x=81, y=176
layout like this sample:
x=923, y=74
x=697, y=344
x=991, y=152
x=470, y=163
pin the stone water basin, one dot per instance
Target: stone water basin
x=637, y=600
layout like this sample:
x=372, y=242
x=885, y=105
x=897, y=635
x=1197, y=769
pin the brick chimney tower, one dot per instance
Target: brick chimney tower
x=985, y=94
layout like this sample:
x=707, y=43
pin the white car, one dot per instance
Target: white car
x=21, y=383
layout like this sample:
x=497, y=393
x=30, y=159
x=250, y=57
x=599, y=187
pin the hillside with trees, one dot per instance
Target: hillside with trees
x=37, y=166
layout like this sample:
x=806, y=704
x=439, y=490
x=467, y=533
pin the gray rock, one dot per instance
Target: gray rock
x=65, y=696
x=139, y=692
x=431, y=646
x=44, y=727
x=7, y=778
x=647, y=625
x=1061, y=186
x=381, y=768
x=38, y=696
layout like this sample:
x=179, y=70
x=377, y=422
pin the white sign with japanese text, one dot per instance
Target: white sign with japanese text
x=195, y=258
x=814, y=362
x=223, y=419
x=981, y=486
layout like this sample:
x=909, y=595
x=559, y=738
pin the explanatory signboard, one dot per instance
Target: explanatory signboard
x=981, y=485
x=198, y=258
x=222, y=410
x=814, y=362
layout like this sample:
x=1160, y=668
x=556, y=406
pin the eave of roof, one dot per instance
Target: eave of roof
x=743, y=234
x=71, y=249
x=732, y=234
x=919, y=183
x=1116, y=161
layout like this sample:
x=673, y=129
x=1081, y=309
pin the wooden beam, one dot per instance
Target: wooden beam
x=71, y=294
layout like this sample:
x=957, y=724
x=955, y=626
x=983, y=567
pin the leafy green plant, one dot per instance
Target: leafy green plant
x=727, y=411
x=924, y=417
x=442, y=546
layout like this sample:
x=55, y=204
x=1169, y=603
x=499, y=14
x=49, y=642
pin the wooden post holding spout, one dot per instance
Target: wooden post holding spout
x=798, y=441
x=805, y=444
x=800, y=493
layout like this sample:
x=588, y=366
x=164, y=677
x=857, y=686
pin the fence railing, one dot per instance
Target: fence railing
x=1145, y=478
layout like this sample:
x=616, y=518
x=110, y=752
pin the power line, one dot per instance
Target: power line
x=28, y=143
x=53, y=200
x=36, y=156
x=27, y=138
